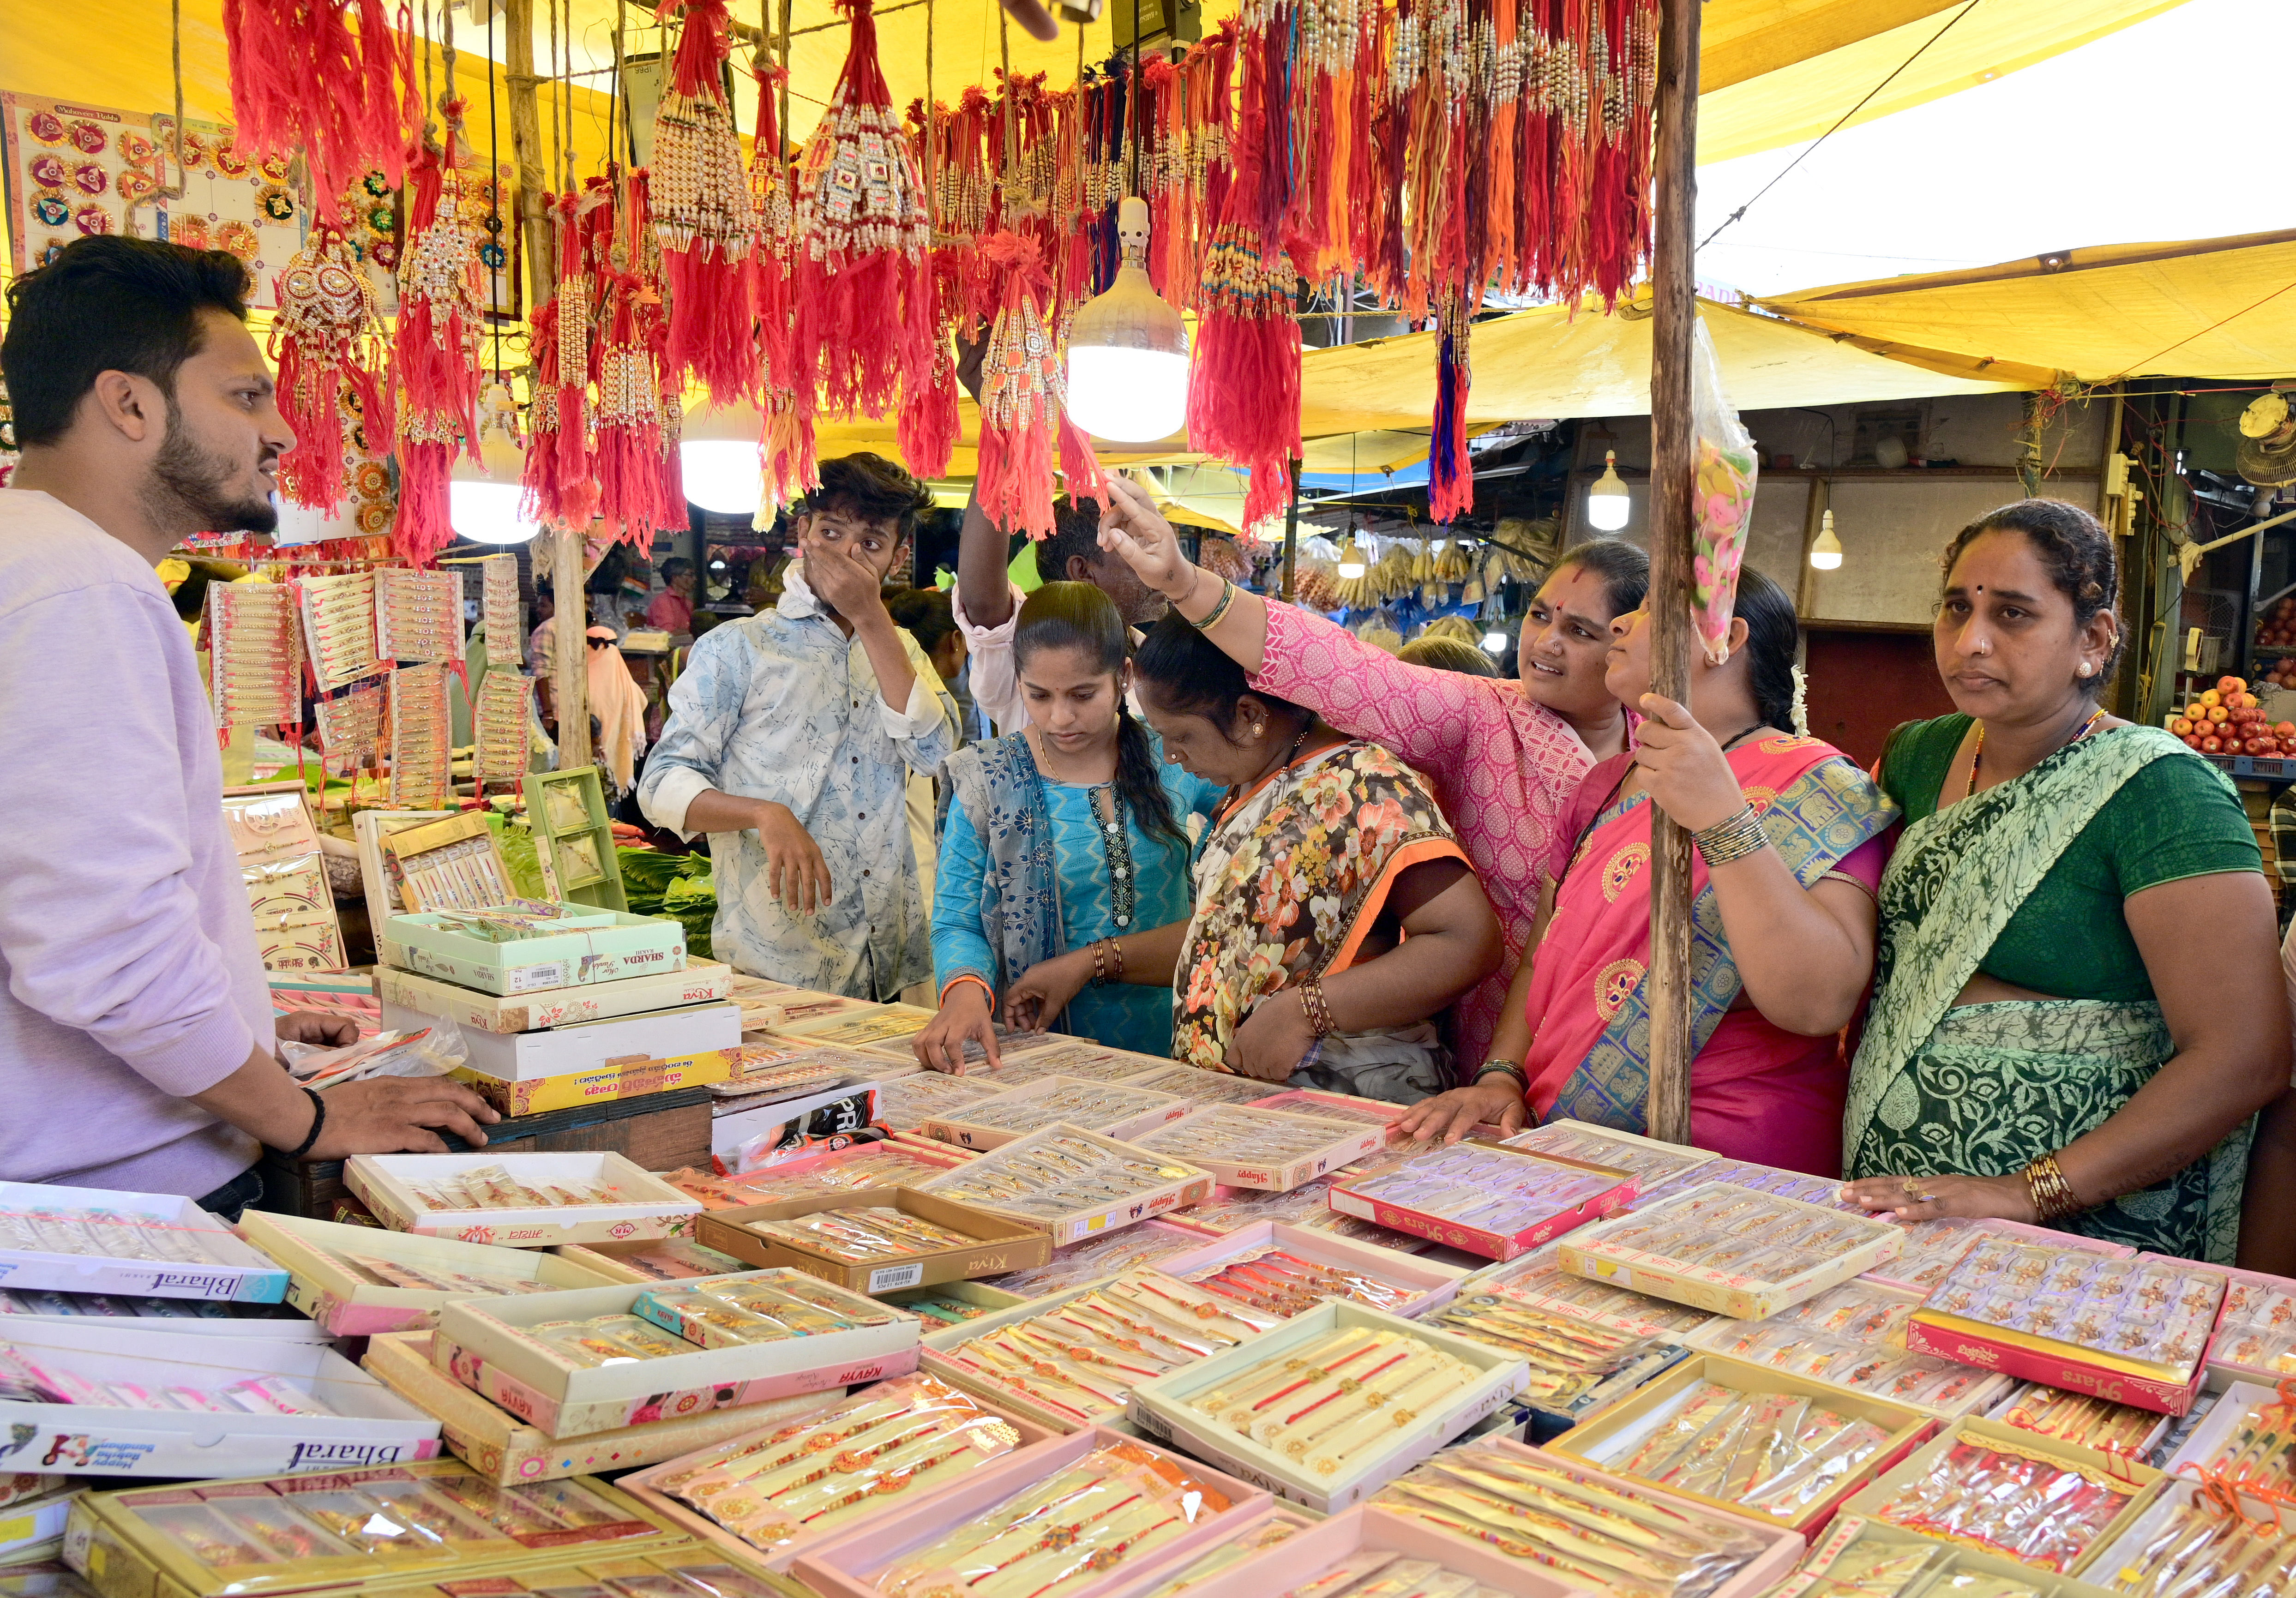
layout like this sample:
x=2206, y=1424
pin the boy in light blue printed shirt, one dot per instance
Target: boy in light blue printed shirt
x=788, y=742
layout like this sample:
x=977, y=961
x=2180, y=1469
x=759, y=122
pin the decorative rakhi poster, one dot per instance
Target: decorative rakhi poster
x=73, y=171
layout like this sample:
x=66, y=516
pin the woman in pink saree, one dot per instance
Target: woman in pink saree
x=1790, y=848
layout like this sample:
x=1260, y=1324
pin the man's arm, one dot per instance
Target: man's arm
x=984, y=592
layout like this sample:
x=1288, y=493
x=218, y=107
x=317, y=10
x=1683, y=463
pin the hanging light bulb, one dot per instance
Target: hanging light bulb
x=1353, y=561
x=1128, y=349
x=501, y=450
x=1495, y=644
x=1607, y=503
x=1825, y=551
x=723, y=475
x=488, y=513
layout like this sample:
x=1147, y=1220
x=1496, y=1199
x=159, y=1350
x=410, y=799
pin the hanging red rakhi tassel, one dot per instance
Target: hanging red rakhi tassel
x=703, y=211
x=326, y=336
x=1620, y=228
x=1024, y=400
x=1535, y=151
x=772, y=259
x=627, y=460
x=1243, y=384
x=301, y=77
x=436, y=353
x=578, y=491
x=541, y=488
x=864, y=318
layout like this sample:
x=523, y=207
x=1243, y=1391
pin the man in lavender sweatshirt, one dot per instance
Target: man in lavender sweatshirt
x=135, y=1025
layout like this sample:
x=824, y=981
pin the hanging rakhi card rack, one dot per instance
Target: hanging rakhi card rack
x=418, y=615
x=498, y=610
x=419, y=737
x=337, y=615
x=499, y=724
x=351, y=726
x=255, y=671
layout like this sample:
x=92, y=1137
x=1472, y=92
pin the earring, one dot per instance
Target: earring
x=2087, y=670
x=1260, y=729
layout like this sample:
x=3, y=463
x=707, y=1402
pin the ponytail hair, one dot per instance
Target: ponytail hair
x=1773, y=639
x=1077, y=615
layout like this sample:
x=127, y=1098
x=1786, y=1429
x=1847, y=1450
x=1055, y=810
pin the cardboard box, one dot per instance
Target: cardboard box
x=700, y=1038
x=370, y=1425
x=1855, y=1530
x=651, y=1260
x=628, y=1076
x=975, y=1125
x=845, y=1566
x=506, y=1449
x=984, y=1297
x=1341, y=1145
x=1475, y=1239
x=1434, y=1285
x=935, y=1360
x=489, y=1350
x=701, y=982
x=347, y=1305
x=854, y=1028
x=1186, y=1184
x=2075, y=1368
x=649, y=1206
x=120, y=1543
x=1754, y=1579
x=1980, y=1390
x=1878, y=1493
x=33, y=1529
x=744, y=1139
x=1000, y=1245
x=1608, y=1438
x=900, y=1501
x=1164, y=1408
x=2144, y=1522
x=239, y=1273
x=1725, y=1292
x=688, y=1570
x=606, y=948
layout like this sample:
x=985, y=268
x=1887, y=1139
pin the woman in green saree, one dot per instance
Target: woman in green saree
x=2077, y=1014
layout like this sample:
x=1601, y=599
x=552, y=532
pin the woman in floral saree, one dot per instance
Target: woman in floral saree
x=2078, y=1011
x=1789, y=836
x=1335, y=915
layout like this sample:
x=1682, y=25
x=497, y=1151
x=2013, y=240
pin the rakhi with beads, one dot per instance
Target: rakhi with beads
x=1243, y=385
x=703, y=213
x=326, y=336
x=436, y=352
x=771, y=260
x=1024, y=400
x=865, y=323
x=634, y=450
x=303, y=77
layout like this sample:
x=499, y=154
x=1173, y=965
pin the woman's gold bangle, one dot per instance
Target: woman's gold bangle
x=1733, y=840
x=2053, y=1196
x=1228, y=598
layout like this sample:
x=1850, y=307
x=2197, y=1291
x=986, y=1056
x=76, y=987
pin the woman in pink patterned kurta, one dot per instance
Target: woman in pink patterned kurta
x=1505, y=758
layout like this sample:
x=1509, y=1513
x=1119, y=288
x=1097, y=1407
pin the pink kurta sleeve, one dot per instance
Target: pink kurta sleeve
x=1432, y=719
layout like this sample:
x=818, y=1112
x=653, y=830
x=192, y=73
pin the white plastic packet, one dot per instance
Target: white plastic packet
x=434, y=1051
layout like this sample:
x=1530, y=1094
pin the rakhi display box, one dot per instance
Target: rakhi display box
x=643, y=1207
x=1354, y=1199
x=999, y=1244
x=327, y=1287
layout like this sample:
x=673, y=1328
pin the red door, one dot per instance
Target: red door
x=1863, y=684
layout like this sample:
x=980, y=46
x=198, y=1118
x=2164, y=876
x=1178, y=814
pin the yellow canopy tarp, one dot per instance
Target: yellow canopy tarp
x=2207, y=308
x=1775, y=71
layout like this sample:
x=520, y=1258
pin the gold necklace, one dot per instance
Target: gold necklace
x=1978, y=753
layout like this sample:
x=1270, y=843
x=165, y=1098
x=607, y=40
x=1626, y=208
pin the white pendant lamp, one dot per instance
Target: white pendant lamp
x=1608, y=505
x=717, y=452
x=1825, y=550
x=1128, y=349
x=488, y=513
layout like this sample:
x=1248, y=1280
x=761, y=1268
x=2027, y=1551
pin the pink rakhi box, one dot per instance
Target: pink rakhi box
x=1494, y=1245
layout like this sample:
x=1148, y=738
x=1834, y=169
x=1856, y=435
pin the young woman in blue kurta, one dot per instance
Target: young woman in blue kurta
x=1068, y=833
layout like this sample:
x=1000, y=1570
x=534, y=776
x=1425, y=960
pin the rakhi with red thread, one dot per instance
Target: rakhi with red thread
x=864, y=320
x=1024, y=400
x=436, y=353
x=576, y=497
x=771, y=259
x=634, y=451
x=302, y=77
x=1450, y=472
x=1243, y=385
x=540, y=486
x=326, y=334
x=703, y=214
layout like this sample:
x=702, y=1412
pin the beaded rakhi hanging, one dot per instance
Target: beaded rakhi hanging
x=865, y=319
x=1024, y=401
x=703, y=214
x=772, y=259
x=326, y=336
x=302, y=77
x=633, y=453
x=436, y=352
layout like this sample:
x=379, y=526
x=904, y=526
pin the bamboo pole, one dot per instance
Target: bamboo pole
x=1673, y=464
x=526, y=148
x=1291, y=532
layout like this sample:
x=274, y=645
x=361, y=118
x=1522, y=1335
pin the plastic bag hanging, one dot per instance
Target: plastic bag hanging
x=436, y=353
x=865, y=319
x=1023, y=403
x=703, y=214
x=1722, y=497
x=328, y=340
x=302, y=78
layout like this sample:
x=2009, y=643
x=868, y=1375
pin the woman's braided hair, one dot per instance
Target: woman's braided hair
x=2078, y=552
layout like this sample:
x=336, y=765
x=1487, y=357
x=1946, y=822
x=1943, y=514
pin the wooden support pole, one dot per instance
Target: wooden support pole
x=571, y=649
x=1673, y=466
x=1291, y=532
x=526, y=148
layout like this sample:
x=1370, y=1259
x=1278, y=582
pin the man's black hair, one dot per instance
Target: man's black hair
x=871, y=486
x=1076, y=531
x=109, y=304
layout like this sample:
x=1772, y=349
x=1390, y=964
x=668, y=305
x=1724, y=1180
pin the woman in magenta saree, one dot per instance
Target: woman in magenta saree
x=1779, y=962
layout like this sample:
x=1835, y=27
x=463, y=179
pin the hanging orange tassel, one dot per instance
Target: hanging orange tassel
x=301, y=77
x=1024, y=400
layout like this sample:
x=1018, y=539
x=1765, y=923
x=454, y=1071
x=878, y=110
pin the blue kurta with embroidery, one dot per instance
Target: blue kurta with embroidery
x=1121, y=1015
x=785, y=707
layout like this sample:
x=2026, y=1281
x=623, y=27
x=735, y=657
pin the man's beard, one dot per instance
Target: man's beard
x=186, y=491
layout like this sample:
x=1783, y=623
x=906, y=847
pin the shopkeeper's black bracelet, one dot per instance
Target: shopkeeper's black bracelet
x=318, y=1124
